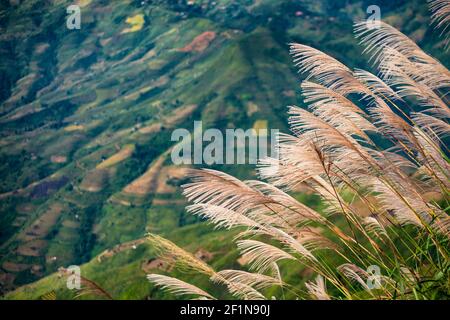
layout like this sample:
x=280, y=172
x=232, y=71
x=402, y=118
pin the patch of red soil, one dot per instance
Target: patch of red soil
x=200, y=42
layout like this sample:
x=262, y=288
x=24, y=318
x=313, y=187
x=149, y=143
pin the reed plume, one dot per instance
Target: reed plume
x=380, y=139
x=440, y=16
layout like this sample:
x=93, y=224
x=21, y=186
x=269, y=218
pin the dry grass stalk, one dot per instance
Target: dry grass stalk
x=336, y=149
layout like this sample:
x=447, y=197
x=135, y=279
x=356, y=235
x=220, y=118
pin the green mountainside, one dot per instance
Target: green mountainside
x=86, y=118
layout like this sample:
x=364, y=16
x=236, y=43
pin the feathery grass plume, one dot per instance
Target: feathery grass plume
x=178, y=287
x=245, y=285
x=442, y=224
x=217, y=188
x=319, y=96
x=222, y=217
x=312, y=239
x=441, y=12
x=260, y=255
x=405, y=208
x=440, y=16
x=434, y=127
x=254, y=280
x=372, y=148
x=88, y=287
x=355, y=273
x=311, y=128
x=257, y=203
x=290, y=171
x=383, y=286
x=433, y=163
x=286, y=208
x=317, y=289
x=394, y=63
x=240, y=290
x=375, y=227
x=180, y=258
x=402, y=63
x=377, y=85
x=376, y=40
x=325, y=69
x=396, y=72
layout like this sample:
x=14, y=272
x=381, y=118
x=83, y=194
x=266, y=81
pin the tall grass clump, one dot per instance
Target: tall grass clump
x=378, y=141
